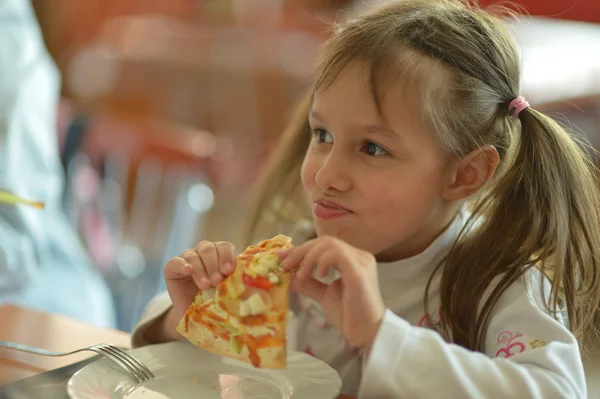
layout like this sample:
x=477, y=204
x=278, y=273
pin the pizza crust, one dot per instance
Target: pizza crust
x=270, y=357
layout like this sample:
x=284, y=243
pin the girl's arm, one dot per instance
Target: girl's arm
x=528, y=354
x=157, y=323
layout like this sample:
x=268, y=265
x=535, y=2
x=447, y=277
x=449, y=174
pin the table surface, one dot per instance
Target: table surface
x=47, y=331
x=51, y=332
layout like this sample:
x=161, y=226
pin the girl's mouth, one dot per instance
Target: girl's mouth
x=325, y=210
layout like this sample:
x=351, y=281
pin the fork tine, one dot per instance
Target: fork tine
x=136, y=370
x=125, y=357
x=133, y=359
x=136, y=361
x=131, y=366
x=130, y=370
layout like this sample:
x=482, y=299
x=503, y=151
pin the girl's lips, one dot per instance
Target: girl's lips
x=326, y=210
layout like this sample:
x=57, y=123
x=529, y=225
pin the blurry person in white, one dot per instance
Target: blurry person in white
x=43, y=264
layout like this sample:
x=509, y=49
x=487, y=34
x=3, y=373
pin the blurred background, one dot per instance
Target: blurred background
x=170, y=109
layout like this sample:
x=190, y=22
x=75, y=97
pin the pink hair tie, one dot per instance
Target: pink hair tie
x=516, y=106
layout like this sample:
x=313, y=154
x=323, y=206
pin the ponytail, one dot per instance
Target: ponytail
x=542, y=213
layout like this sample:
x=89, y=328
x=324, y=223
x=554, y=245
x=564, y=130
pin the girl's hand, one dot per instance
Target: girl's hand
x=196, y=269
x=352, y=303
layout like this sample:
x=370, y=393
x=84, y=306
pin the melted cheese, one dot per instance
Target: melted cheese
x=273, y=278
x=253, y=306
x=262, y=264
x=234, y=326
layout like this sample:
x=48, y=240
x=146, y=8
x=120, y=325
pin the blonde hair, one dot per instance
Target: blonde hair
x=541, y=209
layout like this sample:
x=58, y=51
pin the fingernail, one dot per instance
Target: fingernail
x=205, y=283
x=228, y=268
x=216, y=278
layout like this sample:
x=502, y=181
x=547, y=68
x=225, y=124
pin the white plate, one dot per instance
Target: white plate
x=184, y=371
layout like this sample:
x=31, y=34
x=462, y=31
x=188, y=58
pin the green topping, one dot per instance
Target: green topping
x=235, y=345
x=232, y=330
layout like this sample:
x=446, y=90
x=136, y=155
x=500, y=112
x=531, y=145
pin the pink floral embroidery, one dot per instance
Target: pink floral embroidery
x=511, y=348
x=324, y=324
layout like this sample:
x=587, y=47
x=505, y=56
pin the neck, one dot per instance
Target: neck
x=420, y=241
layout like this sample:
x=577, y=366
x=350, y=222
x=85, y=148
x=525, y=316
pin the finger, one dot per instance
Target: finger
x=315, y=256
x=284, y=253
x=337, y=257
x=177, y=268
x=309, y=262
x=328, y=260
x=199, y=272
x=296, y=254
x=226, y=253
x=192, y=257
x=310, y=288
x=210, y=258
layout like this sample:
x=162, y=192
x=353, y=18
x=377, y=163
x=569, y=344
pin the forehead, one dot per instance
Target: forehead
x=354, y=97
x=350, y=92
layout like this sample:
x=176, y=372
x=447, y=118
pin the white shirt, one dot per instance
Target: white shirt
x=528, y=354
x=42, y=262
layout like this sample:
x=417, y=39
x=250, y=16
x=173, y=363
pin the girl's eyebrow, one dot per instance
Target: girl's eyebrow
x=380, y=129
x=314, y=115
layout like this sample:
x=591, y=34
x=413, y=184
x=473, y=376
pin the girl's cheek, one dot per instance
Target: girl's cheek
x=308, y=171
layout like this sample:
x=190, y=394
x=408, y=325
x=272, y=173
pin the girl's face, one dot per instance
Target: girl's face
x=374, y=180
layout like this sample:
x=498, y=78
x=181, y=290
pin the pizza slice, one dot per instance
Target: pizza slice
x=245, y=316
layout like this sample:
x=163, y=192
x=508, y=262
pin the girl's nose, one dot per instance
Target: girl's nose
x=334, y=175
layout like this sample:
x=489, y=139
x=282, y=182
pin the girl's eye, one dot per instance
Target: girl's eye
x=373, y=149
x=322, y=136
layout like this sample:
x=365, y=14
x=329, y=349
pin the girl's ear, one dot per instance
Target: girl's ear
x=470, y=173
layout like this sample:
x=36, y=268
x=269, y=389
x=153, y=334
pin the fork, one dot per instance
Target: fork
x=136, y=370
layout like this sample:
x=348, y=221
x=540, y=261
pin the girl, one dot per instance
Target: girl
x=462, y=225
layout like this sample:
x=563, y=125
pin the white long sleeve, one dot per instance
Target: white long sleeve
x=158, y=306
x=528, y=354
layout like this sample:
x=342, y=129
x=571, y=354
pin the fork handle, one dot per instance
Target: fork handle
x=27, y=348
